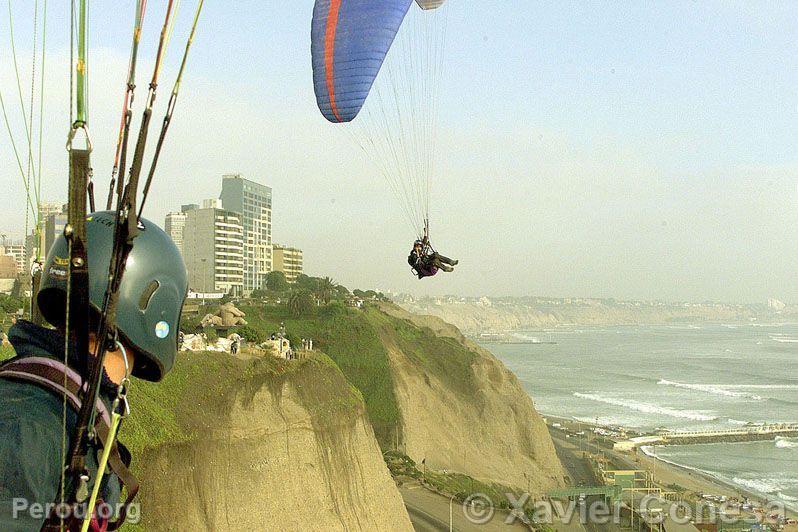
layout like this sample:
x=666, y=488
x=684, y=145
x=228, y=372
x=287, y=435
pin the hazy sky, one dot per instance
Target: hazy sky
x=626, y=149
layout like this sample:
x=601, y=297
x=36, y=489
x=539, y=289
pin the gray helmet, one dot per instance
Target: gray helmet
x=151, y=295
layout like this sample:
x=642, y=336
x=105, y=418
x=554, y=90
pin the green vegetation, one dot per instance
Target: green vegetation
x=445, y=358
x=6, y=352
x=11, y=304
x=460, y=486
x=275, y=282
x=300, y=303
x=203, y=387
x=356, y=341
x=349, y=338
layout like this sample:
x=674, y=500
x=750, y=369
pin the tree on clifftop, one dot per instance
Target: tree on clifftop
x=276, y=282
x=326, y=289
x=300, y=302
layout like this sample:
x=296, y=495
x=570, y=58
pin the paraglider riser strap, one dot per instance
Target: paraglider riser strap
x=49, y=374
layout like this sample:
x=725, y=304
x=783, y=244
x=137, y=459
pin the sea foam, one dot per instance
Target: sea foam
x=715, y=389
x=786, y=443
x=647, y=408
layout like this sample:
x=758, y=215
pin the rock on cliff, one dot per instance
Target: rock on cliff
x=471, y=414
x=273, y=446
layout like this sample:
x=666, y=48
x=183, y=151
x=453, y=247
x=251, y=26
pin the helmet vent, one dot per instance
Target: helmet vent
x=146, y=295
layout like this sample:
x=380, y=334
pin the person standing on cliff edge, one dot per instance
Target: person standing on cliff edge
x=39, y=394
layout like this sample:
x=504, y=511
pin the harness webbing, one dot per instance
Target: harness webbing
x=77, y=312
x=65, y=382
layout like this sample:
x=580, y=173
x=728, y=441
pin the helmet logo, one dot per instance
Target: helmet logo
x=162, y=329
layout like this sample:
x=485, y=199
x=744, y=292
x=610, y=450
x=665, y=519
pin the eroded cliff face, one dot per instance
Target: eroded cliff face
x=286, y=452
x=493, y=434
x=477, y=317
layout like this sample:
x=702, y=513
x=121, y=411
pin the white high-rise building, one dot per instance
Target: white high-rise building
x=254, y=202
x=17, y=250
x=213, y=250
x=174, y=225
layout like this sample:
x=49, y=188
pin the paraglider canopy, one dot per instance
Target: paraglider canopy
x=394, y=115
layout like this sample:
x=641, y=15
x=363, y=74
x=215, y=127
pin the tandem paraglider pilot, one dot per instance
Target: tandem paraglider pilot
x=40, y=395
x=426, y=262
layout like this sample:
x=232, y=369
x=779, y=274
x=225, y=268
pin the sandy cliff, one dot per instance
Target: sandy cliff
x=473, y=317
x=485, y=426
x=280, y=451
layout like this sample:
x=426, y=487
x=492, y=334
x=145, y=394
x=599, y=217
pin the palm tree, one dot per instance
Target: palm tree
x=326, y=287
x=300, y=302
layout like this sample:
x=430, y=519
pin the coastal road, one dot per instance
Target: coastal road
x=429, y=512
x=579, y=471
x=571, y=458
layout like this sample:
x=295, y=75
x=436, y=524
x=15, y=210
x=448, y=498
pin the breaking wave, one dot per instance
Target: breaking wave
x=768, y=485
x=786, y=443
x=760, y=386
x=647, y=408
x=715, y=389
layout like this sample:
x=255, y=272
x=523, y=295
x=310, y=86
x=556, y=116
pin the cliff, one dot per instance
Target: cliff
x=474, y=316
x=473, y=416
x=225, y=443
x=432, y=394
x=228, y=444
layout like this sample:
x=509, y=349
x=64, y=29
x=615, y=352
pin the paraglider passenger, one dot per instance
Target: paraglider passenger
x=426, y=262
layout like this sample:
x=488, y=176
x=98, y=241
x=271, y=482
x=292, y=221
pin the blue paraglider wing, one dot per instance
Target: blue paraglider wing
x=350, y=39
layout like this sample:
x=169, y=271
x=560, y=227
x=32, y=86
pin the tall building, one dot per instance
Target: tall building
x=8, y=267
x=173, y=226
x=287, y=260
x=213, y=250
x=53, y=228
x=254, y=202
x=36, y=241
x=17, y=250
x=48, y=208
x=213, y=203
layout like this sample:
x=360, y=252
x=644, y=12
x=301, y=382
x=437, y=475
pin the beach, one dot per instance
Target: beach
x=650, y=378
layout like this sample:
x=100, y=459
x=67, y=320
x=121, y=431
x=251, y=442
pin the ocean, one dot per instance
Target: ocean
x=680, y=377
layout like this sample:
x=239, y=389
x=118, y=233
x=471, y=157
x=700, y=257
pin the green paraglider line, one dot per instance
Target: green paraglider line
x=81, y=69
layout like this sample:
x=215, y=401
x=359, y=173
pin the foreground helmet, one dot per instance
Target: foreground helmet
x=418, y=243
x=151, y=294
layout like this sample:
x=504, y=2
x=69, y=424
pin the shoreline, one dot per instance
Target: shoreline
x=668, y=472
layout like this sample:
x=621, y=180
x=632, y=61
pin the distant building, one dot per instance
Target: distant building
x=254, y=202
x=775, y=304
x=36, y=241
x=173, y=226
x=287, y=260
x=8, y=267
x=16, y=250
x=212, y=203
x=53, y=228
x=213, y=250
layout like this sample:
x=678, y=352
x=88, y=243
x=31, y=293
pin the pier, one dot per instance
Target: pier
x=753, y=433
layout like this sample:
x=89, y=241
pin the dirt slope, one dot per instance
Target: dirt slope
x=484, y=425
x=287, y=448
